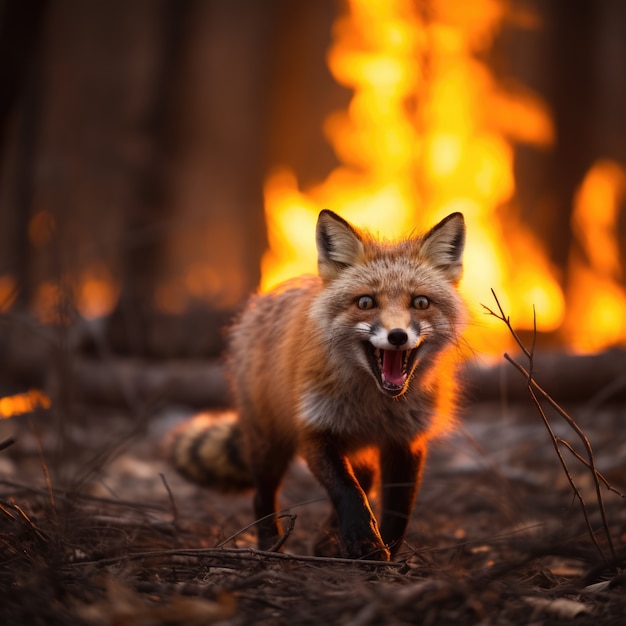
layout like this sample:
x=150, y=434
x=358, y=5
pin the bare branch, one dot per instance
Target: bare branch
x=533, y=389
x=601, y=476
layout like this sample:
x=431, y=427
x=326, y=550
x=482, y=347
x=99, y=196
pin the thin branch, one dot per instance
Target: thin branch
x=584, y=461
x=7, y=443
x=236, y=553
x=287, y=533
x=587, y=444
x=570, y=478
x=281, y=514
x=534, y=388
x=44, y=466
x=170, y=496
x=505, y=318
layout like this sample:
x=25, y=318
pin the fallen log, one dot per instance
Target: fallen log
x=591, y=378
x=36, y=357
x=56, y=361
x=136, y=382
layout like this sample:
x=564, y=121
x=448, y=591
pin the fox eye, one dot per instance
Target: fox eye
x=366, y=302
x=421, y=302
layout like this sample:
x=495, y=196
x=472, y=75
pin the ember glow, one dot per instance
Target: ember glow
x=97, y=292
x=428, y=131
x=8, y=292
x=93, y=293
x=23, y=403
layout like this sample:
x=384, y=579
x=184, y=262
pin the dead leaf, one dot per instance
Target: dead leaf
x=122, y=606
x=561, y=608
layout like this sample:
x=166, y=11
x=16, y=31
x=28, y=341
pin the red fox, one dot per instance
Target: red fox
x=353, y=370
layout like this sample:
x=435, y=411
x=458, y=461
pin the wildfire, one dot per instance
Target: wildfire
x=23, y=403
x=92, y=291
x=92, y=294
x=597, y=295
x=427, y=132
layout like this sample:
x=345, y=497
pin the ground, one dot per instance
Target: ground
x=96, y=528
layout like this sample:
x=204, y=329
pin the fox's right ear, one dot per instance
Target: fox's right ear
x=338, y=245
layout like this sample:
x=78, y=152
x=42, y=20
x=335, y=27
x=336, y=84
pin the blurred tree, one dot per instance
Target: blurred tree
x=20, y=62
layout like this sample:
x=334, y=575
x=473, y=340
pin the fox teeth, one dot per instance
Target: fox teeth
x=379, y=357
x=392, y=376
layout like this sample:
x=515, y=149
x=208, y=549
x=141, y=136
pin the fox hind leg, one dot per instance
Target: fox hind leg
x=267, y=458
x=268, y=474
x=268, y=529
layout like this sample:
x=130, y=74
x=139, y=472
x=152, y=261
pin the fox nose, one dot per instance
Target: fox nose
x=397, y=337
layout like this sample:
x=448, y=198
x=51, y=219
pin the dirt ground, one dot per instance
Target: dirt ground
x=96, y=528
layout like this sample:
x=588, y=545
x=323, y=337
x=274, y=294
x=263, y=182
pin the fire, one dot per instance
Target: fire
x=427, y=132
x=93, y=293
x=23, y=403
x=8, y=292
x=97, y=293
x=596, y=292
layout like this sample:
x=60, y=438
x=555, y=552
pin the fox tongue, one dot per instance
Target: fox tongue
x=392, y=367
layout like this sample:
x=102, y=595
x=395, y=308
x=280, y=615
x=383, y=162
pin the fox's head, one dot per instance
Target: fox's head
x=390, y=306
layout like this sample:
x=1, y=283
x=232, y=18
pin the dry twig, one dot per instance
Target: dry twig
x=534, y=389
x=6, y=443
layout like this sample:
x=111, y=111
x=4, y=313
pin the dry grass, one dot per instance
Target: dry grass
x=96, y=529
x=482, y=548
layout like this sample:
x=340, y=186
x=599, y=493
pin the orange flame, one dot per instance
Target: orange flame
x=23, y=403
x=8, y=292
x=97, y=293
x=596, y=294
x=427, y=132
x=92, y=294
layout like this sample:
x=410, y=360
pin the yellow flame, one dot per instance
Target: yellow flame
x=427, y=132
x=594, y=220
x=596, y=295
x=23, y=403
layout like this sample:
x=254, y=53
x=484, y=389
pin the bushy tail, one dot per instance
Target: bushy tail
x=207, y=450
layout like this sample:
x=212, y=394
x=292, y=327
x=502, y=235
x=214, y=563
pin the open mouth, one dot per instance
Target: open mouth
x=392, y=368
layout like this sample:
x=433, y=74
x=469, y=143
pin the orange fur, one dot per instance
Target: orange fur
x=361, y=357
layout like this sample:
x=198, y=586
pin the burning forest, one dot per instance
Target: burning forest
x=161, y=162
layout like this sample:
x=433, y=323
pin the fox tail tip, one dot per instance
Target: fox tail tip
x=207, y=450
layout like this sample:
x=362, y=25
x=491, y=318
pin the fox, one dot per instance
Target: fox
x=352, y=369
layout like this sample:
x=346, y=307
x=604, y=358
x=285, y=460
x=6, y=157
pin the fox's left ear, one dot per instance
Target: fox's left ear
x=338, y=245
x=443, y=246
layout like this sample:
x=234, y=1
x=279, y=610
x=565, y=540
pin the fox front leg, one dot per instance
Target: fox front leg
x=357, y=528
x=401, y=473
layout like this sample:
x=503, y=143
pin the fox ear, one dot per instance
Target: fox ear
x=443, y=246
x=338, y=244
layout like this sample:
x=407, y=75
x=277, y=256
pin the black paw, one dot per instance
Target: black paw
x=369, y=549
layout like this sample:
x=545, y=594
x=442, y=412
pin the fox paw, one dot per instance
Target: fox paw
x=359, y=539
x=367, y=549
x=328, y=544
x=363, y=545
